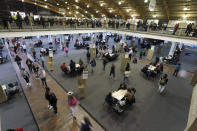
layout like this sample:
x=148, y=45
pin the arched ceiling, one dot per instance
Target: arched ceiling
x=165, y=9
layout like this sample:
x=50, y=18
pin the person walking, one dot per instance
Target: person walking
x=29, y=64
x=93, y=64
x=177, y=68
x=24, y=48
x=18, y=61
x=47, y=96
x=42, y=60
x=86, y=125
x=53, y=101
x=36, y=70
x=43, y=77
x=88, y=57
x=104, y=63
x=112, y=71
x=72, y=104
x=34, y=54
x=26, y=76
x=66, y=51
x=162, y=83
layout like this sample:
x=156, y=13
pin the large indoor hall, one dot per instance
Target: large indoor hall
x=85, y=65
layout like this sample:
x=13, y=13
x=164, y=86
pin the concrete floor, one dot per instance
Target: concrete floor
x=14, y=113
x=152, y=112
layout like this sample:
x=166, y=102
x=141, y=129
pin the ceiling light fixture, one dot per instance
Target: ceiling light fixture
x=128, y=10
x=77, y=7
x=110, y=11
x=76, y=0
x=88, y=6
x=77, y=12
x=35, y=3
x=45, y=0
x=185, y=16
x=58, y=4
x=151, y=9
x=119, y=2
x=46, y=6
x=185, y=8
x=66, y=2
x=22, y=0
x=68, y=8
x=154, y=16
x=145, y=1
x=86, y=12
x=101, y=4
x=69, y=12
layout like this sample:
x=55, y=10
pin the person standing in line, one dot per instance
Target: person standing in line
x=177, y=68
x=34, y=55
x=53, y=101
x=24, y=48
x=104, y=63
x=26, y=76
x=42, y=60
x=47, y=96
x=112, y=71
x=88, y=57
x=29, y=64
x=162, y=83
x=18, y=61
x=93, y=64
x=72, y=104
x=36, y=70
x=43, y=77
x=86, y=125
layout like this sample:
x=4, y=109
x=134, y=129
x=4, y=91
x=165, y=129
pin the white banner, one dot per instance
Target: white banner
x=152, y=5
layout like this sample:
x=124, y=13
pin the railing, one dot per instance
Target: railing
x=57, y=25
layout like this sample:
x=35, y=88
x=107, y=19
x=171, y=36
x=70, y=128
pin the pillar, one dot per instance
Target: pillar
x=81, y=87
x=3, y=96
x=150, y=53
x=50, y=38
x=172, y=49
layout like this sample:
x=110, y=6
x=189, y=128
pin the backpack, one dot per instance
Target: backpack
x=162, y=81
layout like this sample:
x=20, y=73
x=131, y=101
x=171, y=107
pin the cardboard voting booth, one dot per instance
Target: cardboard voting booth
x=50, y=60
x=81, y=81
x=3, y=96
x=193, y=82
x=124, y=60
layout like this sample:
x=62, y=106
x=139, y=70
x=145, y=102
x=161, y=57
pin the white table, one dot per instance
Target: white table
x=119, y=94
x=151, y=67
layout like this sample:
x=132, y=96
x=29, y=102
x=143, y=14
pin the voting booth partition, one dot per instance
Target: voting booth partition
x=124, y=60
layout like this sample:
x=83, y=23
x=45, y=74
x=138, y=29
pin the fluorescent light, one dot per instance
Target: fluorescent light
x=185, y=8
x=119, y=2
x=145, y=1
x=151, y=9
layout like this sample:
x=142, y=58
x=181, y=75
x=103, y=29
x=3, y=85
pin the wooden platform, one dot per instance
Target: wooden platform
x=46, y=119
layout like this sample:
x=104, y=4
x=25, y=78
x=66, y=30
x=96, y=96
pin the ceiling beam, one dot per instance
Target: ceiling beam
x=71, y=9
x=166, y=9
x=133, y=3
x=83, y=7
x=50, y=7
x=116, y=8
x=97, y=7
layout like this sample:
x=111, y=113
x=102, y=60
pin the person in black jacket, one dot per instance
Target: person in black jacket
x=72, y=67
x=18, y=61
x=112, y=71
x=88, y=57
x=47, y=96
x=86, y=125
x=29, y=64
x=53, y=101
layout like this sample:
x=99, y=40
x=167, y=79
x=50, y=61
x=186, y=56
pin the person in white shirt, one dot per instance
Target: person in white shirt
x=43, y=77
x=24, y=48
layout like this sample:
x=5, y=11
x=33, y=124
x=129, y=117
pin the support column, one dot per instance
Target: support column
x=172, y=49
x=50, y=38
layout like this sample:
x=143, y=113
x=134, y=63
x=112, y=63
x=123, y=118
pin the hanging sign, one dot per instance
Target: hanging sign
x=152, y=5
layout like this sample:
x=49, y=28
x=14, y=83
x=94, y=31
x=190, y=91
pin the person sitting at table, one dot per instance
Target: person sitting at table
x=129, y=96
x=72, y=67
x=80, y=62
x=123, y=86
x=109, y=99
x=64, y=68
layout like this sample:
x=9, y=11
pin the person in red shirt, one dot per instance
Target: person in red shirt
x=63, y=67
